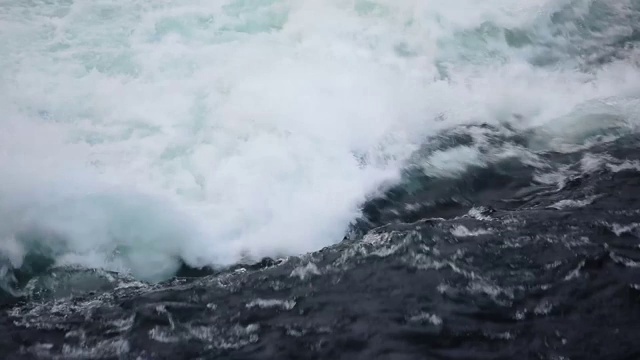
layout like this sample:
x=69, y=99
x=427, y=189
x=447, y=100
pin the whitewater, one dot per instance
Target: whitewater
x=139, y=135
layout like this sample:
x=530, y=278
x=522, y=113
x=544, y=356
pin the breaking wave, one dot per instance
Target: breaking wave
x=143, y=136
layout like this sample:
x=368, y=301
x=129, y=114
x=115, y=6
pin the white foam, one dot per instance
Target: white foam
x=625, y=165
x=426, y=317
x=452, y=162
x=270, y=303
x=568, y=203
x=462, y=231
x=205, y=130
x=304, y=272
x=619, y=229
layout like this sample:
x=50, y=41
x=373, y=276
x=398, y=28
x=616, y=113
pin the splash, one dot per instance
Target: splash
x=136, y=135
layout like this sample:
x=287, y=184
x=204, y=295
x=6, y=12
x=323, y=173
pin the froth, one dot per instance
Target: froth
x=146, y=133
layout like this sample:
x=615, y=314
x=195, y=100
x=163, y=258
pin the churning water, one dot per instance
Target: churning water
x=138, y=134
x=147, y=138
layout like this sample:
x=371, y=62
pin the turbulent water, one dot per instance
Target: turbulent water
x=275, y=179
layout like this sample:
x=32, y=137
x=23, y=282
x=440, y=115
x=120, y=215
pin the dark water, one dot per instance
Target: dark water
x=519, y=259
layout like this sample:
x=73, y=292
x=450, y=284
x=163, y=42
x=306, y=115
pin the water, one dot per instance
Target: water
x=141, y=140
x=142, y=133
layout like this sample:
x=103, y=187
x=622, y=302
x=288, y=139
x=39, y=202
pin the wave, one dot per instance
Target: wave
x=139, y=136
